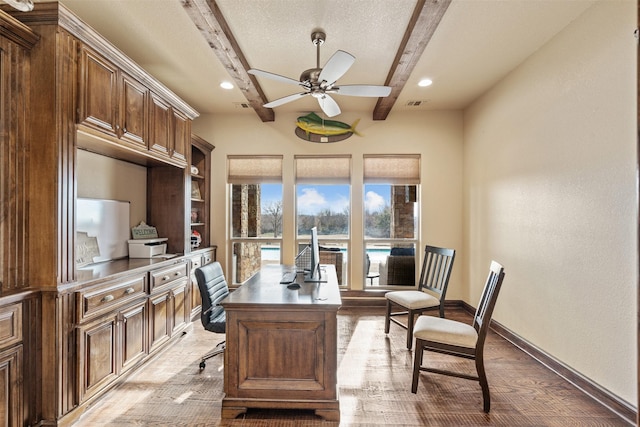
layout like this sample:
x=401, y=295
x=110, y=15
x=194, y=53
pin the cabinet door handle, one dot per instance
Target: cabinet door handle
x=107, y=298
x=129, y=291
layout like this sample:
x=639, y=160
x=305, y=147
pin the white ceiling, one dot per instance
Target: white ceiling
x=477, y=43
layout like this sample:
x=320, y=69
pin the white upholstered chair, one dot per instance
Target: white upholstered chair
x=459, y=339
x=430, y=294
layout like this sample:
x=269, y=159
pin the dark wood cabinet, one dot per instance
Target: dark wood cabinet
x=76, y=91
x=181, y=136
x=160, y=126
x=134, y=112
x=18, y=357
x=159, y=328
x=11, y=365
x=119, y=106
x=110, y=101
x=134, y=337
x=112, y=331
x=167, y=304
x=11, y=388
x=98, y=92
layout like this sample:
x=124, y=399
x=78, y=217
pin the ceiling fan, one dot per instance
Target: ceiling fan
x=320, y=82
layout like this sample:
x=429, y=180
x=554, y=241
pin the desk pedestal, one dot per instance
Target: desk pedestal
x=281, y=347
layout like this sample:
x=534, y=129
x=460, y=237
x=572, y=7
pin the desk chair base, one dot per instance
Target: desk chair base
x=219, y=349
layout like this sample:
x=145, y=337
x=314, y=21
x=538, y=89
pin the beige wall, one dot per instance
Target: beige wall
x=101, y=177
x=538, y=174
x=550, y=192
x=437, y=136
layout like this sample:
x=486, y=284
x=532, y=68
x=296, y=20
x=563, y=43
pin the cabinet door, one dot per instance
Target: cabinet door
x=160, y=126
x=181, y=136
x=133, y=345
x=98, y=88
x=11, y=389
x=97, y=346
x=159, y=328
x=179, y=306
x=133, y=112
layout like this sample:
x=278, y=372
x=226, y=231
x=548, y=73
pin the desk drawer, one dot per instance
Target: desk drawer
x=167, y=275
x=196, y=262
x=104, y=297
x=208, y=257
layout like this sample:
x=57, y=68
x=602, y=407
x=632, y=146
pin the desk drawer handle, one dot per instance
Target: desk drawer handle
x=165, y=278
x=177, y=273
x=107, y=298
x=129, y=291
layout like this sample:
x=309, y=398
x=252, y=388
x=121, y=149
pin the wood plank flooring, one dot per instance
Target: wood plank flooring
x=374, y=381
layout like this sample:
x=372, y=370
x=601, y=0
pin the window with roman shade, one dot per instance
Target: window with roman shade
x=256, y=212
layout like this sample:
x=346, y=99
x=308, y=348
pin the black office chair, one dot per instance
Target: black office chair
x=213, y=289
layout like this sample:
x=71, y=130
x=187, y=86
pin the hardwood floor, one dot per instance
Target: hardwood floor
x=374, y=381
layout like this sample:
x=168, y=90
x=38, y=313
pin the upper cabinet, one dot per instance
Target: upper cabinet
x=121, y=107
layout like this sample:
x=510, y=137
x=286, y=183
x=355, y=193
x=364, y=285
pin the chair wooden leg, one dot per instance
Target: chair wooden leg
x=387, y=318
x=417, y=363
x=410, y=322
x=484, y=384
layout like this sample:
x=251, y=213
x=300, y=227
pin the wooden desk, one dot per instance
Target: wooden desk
x=281, y=345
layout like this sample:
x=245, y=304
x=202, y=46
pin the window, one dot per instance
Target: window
x=323, y=200
x=391, y=218
x=256, y=213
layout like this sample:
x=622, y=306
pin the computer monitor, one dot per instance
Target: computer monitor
x=314, y=274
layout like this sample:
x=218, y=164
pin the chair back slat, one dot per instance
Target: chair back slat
x=436, y=269
x=484, y=311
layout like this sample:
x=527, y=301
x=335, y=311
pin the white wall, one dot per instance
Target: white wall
x=437, y=136
x=550, y=192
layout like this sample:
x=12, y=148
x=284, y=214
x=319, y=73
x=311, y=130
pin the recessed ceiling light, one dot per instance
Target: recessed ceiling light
x=226, y=85
x=425, y=82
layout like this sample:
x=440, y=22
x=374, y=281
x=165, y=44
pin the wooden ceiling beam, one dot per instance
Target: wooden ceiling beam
x=424, y=21
x=208, y=18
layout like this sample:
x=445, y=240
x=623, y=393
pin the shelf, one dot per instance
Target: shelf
x=197, y=200
x=197, y=224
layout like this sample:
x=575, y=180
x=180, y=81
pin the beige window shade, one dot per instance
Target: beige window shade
x=254, y=169
x=323, y=170
x=392, y=169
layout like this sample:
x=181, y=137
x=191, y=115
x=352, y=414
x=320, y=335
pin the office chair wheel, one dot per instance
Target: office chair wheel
x=202, y=365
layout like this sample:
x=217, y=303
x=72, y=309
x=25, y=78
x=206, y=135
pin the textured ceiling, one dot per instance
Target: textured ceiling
x=476, y=44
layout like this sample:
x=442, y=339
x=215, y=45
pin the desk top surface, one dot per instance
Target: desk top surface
x=264, y=288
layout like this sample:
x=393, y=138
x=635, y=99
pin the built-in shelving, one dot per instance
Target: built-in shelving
x=200, y=191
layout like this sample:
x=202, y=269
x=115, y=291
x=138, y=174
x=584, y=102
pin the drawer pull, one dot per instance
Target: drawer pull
x=165, y=278
x=129, y=291
x=107, y=298
x=177, y=273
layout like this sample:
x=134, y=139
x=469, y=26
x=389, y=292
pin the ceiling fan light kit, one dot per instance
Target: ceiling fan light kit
x=321, y=82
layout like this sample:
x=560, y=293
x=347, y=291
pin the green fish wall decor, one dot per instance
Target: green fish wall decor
x=329, y=130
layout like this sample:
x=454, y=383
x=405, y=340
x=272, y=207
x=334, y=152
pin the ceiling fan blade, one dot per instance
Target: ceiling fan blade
x=335, y=67
x=362, y=90
x=273, y=76
x=284, y=100
x=329, y=106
